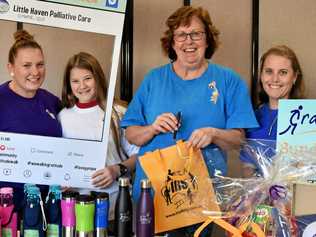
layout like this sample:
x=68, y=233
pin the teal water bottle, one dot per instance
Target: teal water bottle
x=53, y=211
x=34, y=220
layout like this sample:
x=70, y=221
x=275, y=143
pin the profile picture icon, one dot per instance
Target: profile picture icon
x=4, y=6
x=112, y=3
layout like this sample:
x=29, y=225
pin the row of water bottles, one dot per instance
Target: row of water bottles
x=66, y=214
x=69, y=214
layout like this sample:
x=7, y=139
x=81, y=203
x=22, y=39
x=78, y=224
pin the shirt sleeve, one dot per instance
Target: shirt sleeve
x=239, y=109
x=128, y=148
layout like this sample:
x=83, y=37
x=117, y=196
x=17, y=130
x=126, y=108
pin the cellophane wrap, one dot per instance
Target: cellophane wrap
x=266, y=197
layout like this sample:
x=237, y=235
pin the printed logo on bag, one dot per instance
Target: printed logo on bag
x=4, y=6
x=110, y=3
x=180, y=188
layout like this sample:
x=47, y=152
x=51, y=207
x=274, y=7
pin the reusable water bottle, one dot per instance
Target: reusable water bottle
x=101, y=215
x=53, y=212
x=123, y=210
x=34, y=220
x=145, y=224
x=84, y=210
x=20, y=213
x=9, y=218
x=68, y=203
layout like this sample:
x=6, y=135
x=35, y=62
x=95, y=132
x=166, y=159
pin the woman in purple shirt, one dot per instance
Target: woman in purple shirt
x=24, y=106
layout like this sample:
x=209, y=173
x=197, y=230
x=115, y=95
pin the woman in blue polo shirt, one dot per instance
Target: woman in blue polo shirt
x=280, y=78
x=213, y=100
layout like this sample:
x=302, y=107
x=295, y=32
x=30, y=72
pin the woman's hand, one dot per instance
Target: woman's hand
x=140, y=135
x=105, y=177
x=166, y=122
x=202, y=137
x=226, y=139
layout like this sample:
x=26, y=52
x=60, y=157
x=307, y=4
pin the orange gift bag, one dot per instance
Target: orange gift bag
x=182, y=186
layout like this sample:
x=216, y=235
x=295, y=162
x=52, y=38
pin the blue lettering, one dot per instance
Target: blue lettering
x=293, y=125
x=313, y=120
x=305, y=115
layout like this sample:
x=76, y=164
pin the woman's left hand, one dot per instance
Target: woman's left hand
x=104, y=177
x=202, y=137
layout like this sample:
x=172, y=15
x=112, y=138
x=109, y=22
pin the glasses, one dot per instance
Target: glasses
x=195, y=36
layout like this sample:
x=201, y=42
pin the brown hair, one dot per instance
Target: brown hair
x=22, y=40
x=297, y=91
x=86, y=61
x=183, y=16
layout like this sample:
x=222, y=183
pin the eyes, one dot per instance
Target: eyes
x=39, y=65
x=281, y=72
x=85, y=79
x=194, y=35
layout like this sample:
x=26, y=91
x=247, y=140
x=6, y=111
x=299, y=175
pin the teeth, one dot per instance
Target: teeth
x=189, y=50
x=33, y=79
x=275, y=86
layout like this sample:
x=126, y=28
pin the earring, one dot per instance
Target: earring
x=294, y=82
x=12, y=74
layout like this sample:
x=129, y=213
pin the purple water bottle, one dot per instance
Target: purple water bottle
x=145, y=219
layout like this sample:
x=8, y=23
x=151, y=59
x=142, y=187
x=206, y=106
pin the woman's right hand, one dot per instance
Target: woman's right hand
x=140, y=135
x=166, y=122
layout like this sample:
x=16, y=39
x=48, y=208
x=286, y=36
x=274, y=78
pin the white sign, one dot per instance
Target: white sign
x=48, y=160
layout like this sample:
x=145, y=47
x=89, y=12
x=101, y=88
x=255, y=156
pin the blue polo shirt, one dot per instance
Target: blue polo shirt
x=218, y=98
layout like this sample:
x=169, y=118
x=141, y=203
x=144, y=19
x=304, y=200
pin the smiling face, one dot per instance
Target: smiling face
x=190, y=53
x=277, y=78
x=83, y=85
x=27, y=71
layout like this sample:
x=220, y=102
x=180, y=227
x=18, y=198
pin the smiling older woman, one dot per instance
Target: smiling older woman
x=213, y=100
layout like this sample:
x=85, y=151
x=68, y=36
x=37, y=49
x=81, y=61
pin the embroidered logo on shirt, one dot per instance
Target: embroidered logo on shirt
x=50, y=114
x=215, y=92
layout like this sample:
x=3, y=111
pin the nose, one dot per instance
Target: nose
x=275, y=77
x=35, y=71
x=189, y=38
x=82, y=84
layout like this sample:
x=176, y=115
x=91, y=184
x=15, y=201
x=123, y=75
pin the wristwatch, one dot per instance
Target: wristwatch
x=123, y=170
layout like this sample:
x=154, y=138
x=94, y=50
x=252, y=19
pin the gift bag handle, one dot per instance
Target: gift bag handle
x=220, y=222
x=228, y=227
x=180, y=145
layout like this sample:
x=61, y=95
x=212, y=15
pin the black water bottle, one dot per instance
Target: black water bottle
x=145, y=219
x=123, y=210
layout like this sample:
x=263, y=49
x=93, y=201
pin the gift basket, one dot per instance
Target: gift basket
x=262, y=204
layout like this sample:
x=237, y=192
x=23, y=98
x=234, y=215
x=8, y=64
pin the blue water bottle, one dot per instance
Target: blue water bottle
x=53, y=211
x=101, y=215
x=34, y=220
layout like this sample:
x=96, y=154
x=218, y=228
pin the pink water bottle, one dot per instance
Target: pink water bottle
x=68, y=213
x=9, y=219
